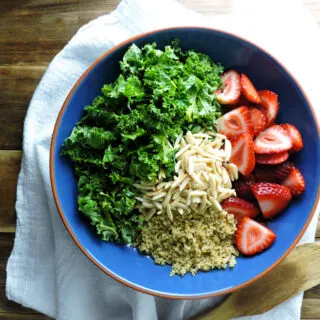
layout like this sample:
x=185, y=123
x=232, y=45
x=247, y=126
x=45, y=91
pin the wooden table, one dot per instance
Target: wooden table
x=31, y=33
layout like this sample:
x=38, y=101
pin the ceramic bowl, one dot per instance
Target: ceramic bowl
x=125, y=264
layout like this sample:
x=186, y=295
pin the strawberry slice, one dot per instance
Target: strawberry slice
x=295, y=136
x=295, y=182
x=269, y=104
x=259, y=120
x=248, y=90
x=243, y=187
x=276, y=158
x=243, y=101
x=235, y=122
x=272, y=140
x=243, y=153
x=231, y=91
x=272, y=198
x=240, y=208
x=252, y=237
x=275, y=173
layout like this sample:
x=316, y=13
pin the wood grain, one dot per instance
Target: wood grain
x=32, y=32
x=9, y=168
x=311, y=308
x=302, y=265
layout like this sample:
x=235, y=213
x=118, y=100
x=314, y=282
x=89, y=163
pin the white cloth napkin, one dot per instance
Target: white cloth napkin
x=46, y=271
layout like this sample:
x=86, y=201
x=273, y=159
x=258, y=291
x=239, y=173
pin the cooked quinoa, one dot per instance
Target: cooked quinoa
x=200, y=241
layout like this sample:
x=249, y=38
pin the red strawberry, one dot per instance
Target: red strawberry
x=269, y=104
x=259, y=119
x=240, y=208
x=243, y=153
x=243, y=101
x=252, y=237
x=275, y=158
x=243, y=187
x=295, y=182
x=272, y=198
x=248, y=90
x=275, y=173
x=235, y=122
x=272, y=140
x=230, y=94
x=295, y=136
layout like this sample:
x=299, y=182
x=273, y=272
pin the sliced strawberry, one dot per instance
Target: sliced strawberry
x=259, y=120
x=248, y=90
x=275, y=158
x=235, y=122
x=231, y=91
x=272, y=198
x=243, y=187
x=240, y=208
x=243, y=101
x=272, y=140
x=252, y=237
x=295, y=136
x=295, y=182
x=274, y=173
x=269, y=104
x=243, y=153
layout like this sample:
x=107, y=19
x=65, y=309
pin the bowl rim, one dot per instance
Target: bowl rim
x=53, y=184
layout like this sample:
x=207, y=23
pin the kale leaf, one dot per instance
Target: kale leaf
x=127, y=133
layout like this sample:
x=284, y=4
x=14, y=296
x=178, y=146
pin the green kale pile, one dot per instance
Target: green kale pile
x=127, y=133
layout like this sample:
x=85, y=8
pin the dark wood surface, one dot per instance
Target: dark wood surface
x=31, y=33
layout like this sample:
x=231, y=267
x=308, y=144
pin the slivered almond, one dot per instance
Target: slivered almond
x=184, y=184
x=227, y=149
x=158, y=196
x=143, y=187
x=169, y=212
x=184, y=149
x=177, y=142
x=177, y=166
x=202, y=178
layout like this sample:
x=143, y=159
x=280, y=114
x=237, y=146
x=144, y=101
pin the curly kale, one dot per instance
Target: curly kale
x=127, y=133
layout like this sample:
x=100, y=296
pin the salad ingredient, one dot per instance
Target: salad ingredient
x=295, y=182
x=252, y=237
x=184, y=223
x=295, y=136
x=266, y=176
x=230, y=93
x=242, y=102
x=235, y=122
x=202, y=178
x=127, y=133
x=276, y=173
x=269, y=104
x=248, y=90
x=243, y=153
x=259, y=120
x=240, y=208
x=272, y=140
x=275, y=158
x=202, y=241
x=272, y=198
x=243, y=187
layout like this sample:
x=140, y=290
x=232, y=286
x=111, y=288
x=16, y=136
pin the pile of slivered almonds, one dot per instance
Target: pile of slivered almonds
x=202, y=178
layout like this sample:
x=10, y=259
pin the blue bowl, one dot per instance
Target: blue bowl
x=125, y=264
